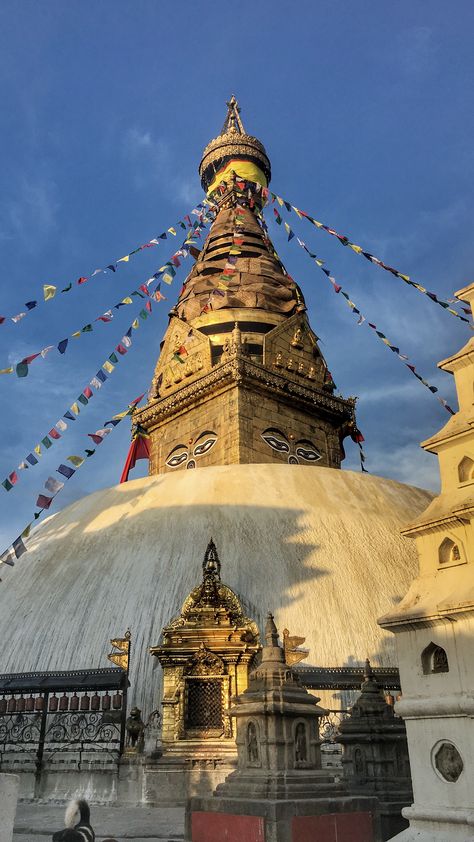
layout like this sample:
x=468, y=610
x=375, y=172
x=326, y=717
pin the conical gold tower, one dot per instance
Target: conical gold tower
x=240, y=377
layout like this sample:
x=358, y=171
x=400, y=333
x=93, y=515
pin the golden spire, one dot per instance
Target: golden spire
x=232, y=122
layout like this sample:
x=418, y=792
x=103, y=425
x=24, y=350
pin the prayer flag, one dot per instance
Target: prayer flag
x=63, y=345
x=82, y=399
x=46, y=442
x=66, y=471
x=18, y=547
x=49, y=291
x=44, y=502
x=31, y=459
x=88, y=392
x=108, y=366
x=21, y=369
x=75, y=460
x=96, y=383
x=81, y=280
x=101, y=376
x=53, y=485
x=7, y=485
x=74, y=408
x=54, y=434
x=61, y=425
x=69, y=416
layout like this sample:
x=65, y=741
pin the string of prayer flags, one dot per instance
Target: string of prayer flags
x=368, y=256
x=107, y=367
x=54, y=486
x=361, y=319
x=71, y=414
x=255, y=188
x=51, y=290
x=167, y=271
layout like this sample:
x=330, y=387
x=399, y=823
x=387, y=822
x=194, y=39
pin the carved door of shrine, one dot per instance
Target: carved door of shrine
x=204, y=705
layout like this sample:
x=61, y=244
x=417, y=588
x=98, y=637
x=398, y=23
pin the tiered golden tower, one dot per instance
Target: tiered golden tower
x=240, y=377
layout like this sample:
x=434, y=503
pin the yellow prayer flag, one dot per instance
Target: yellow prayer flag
x=404, y=277
x=121, y=415
x=168, y=279
x=76, y=334
x=6, y=371
x=355, y=248
x=49, y=291
x=386, y=341
x=318, y=224
x=126, y=300
x=26, y=531
x=298, y=212
x=135, y=324
x=76, y=460
x=38, y=450
x=172, y=231
x=75, y=408
x=108, y=366
x=124, y=259
x=280, y=201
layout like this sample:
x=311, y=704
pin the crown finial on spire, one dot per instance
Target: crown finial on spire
x=232, y=122
x=211, y=564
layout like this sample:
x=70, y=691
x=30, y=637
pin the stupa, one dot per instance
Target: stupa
x=246, y=445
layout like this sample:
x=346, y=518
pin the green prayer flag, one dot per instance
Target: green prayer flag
x=82, y=399
x=47, y=442
x=22, y=369
x=113, y=358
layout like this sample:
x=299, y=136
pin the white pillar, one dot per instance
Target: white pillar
x=8, y=798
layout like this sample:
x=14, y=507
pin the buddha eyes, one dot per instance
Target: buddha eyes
x=181, y=454
x=177, y=459
x=303, y=449
x=204, y=447
x=310, y=454
x=276, y=440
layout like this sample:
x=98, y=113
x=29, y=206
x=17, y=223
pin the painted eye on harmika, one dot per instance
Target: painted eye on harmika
x=307, y=450
x=177, y=457
x=204, y=443
x=276, y=440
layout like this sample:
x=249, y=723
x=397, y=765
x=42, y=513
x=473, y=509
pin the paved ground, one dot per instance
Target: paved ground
x=37, y=823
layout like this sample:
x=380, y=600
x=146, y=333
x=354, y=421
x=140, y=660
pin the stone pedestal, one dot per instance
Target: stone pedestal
x=279, y=793
x=8, y=798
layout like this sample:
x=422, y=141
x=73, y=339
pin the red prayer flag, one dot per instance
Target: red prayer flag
x=88, y=392
x=54, y=434
x=139, y=449
x=82, y=280
x=44, y=502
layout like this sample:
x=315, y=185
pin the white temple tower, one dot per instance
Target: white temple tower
x=434, y=625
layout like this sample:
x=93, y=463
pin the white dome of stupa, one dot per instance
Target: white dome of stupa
x=319, y=547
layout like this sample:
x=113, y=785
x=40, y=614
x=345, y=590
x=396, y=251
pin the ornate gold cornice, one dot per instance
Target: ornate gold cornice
x=234, y=372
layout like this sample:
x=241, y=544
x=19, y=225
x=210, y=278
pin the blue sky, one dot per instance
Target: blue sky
x=365, y=110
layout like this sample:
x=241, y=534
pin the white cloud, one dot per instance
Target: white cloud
x=31, y=215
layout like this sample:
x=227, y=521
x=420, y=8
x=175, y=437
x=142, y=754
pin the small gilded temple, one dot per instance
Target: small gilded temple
x=246, y=439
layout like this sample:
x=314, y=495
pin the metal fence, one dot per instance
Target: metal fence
x=63, y=720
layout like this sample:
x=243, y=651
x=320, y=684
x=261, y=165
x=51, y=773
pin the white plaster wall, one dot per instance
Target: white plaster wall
x=320, y=547
x=8, y=798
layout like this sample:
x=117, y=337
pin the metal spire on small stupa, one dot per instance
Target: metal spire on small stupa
x=232, y=122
